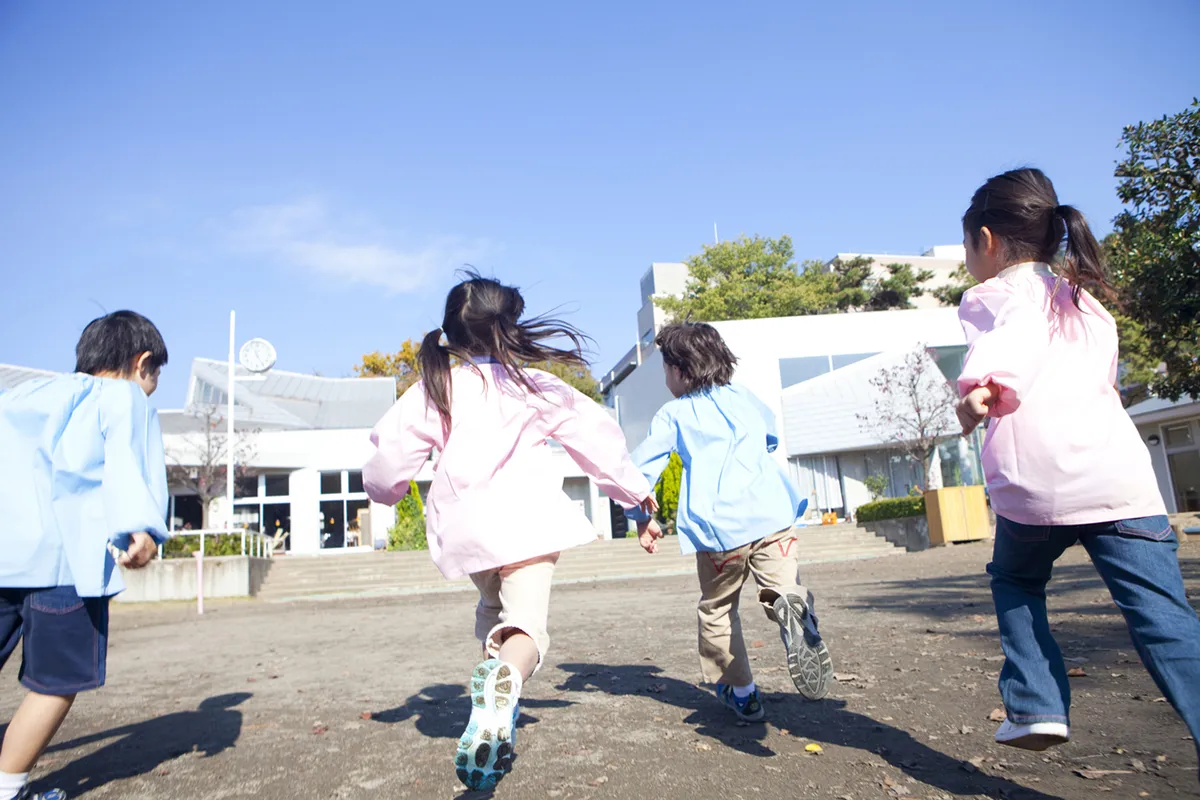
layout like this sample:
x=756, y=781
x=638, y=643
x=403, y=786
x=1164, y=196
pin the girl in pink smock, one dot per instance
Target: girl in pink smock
x=496, y=510
x=1063, y=461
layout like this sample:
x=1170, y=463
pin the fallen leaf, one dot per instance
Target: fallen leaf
x=1137, y=765
x=603, y=779
x=1097, y=774
x=965, y=729
x=1160, y=759
x=1159, y=700
x=998, y=715
x=815, y=749
x=758, y=643
x=845, y=677
x=703, y=746
x=1076, y=672
x=660, y=719
x=318, y=729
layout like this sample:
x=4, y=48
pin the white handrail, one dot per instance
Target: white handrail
x=254, y=543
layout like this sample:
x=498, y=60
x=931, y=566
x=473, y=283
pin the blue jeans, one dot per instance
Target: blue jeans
x=1138, y=562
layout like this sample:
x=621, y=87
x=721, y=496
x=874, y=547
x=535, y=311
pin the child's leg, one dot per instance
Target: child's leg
x=723, y=656
x=31, y=729
x=520, y=637
x=1142, y=573
x=65, y=650
x=489, y=609
x=774, y=561
x=1033, y=681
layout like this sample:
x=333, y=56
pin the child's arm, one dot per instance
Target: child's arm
x=652, y=455
x=1008, y=338
x=403, y=439
x=974, y=406
x=596, y=443
x=134, y=486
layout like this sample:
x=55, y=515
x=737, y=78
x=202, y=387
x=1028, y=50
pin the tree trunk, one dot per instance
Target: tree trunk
x=933, y=471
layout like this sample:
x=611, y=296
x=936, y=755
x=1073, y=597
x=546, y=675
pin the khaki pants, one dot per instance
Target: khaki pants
x=514, y=597
x=773, y=563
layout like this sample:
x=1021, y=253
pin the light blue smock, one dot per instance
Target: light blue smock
x=81, y=465
x=733, y=490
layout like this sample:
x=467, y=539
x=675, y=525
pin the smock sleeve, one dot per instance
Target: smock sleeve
x=594, y=441
x=134, y=486
x=1008, y=337
x=403, y=440
x=652, y=455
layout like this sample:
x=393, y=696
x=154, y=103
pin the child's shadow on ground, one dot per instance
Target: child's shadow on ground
x=826, y=721
x=441, y=711
x=141, y=747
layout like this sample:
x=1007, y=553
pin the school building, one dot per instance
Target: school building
x=300, y=443
x=1171, y=431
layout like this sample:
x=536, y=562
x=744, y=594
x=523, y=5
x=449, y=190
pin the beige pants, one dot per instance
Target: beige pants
x=773, y=563
x=515, y=597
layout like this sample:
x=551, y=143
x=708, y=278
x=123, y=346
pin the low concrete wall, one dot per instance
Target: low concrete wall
x=175, y=579
x=911, y=533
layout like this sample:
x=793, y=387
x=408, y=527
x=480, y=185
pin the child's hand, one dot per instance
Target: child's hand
x=142, y=549
x=649, y=506
x=974, y=406
x=648, y=535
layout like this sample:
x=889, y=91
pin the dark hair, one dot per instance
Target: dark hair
x=483, y=318
x=113, y=342
x=1022, y=210
x=697, y=350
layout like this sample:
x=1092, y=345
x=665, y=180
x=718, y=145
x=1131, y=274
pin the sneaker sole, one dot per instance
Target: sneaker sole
x=1036, y=742
x=485, y=748
x=810, y=666
x=728, y=703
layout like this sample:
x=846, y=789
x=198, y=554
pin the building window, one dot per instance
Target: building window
x=245, y=486
x=647, y=338
x=1182, y=443
x=355, y=483
x=331, y=483
x=277, y=485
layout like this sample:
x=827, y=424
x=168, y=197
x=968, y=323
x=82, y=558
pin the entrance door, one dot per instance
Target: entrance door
x=333, y=524
x=1182, y=442
x=277, y=521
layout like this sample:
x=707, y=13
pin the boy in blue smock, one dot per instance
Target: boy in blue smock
x=83, y=488
x=737, y=512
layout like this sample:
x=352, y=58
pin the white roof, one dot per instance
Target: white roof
x=11, y=376
x=822, y=415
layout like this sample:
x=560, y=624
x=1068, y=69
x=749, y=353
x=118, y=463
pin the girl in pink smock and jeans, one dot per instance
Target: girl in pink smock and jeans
x=1063, y=461
x=496, y=510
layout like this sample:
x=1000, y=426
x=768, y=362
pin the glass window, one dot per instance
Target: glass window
x=331, y=483
x=799, y=370
x=355, y=535
x=1179, y=435
x=333, y=523
x=355, y=483
x=845, y=361
x=277, y=485
x=647, y=338
x=245, y=486
x=1185, y=475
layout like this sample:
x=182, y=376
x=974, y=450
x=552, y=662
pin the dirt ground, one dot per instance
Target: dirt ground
x=365, y=698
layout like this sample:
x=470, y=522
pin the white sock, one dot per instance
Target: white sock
x=11, y=784
x=742, y=692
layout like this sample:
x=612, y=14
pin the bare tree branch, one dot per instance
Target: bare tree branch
x=199, y=463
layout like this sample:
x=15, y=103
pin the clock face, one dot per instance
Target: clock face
x=258, y=355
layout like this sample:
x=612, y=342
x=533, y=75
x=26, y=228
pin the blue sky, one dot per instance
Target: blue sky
x=324, y=168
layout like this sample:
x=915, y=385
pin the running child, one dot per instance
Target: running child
x=496, y=510
x=737, y=511
x=83, y=487
x=1063, y=461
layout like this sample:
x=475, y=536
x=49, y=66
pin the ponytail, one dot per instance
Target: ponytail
x=433, y=362
x=1083, y=262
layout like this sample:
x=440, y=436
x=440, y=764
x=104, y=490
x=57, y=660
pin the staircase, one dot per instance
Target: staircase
x=382, y=574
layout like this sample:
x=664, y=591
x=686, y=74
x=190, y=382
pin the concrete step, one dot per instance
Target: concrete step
x=373, y=574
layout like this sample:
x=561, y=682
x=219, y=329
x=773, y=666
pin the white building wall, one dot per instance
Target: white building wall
x=304, y=486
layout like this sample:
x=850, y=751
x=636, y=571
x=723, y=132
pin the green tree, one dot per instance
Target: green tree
x=666, y=492
x=409, y=531
x=1154, y=253
x=403, y=366
x=952, y=293
x=752, y=278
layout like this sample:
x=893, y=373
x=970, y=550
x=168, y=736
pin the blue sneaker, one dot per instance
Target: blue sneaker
x=809, y=663
x=486, y=747
x=748, y=708
x=53, y=794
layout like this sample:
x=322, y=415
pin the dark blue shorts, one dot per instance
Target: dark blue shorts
x=65, y=638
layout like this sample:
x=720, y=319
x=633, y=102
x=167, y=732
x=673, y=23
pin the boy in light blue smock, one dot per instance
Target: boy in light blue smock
x=737, y=511
x=83, y=487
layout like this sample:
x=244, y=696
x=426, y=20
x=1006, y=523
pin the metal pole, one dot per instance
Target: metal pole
x=200, y=576
x=229, y=443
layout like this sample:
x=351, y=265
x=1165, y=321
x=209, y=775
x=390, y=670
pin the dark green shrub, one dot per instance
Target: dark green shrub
x=409, y=531
x=892, y=508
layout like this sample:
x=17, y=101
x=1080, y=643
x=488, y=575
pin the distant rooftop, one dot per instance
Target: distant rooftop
x=11, y=376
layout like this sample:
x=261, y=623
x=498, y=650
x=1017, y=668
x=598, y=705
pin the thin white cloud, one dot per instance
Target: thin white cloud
x=305, y=235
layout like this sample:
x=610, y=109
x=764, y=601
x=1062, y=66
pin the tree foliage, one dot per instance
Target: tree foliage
x=666, y=492
x=409, y=531
x=1154, y=252
x=753, y=278
x=403, y=366
x=951, y=294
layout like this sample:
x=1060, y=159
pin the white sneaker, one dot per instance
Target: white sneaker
x=1034, y=736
